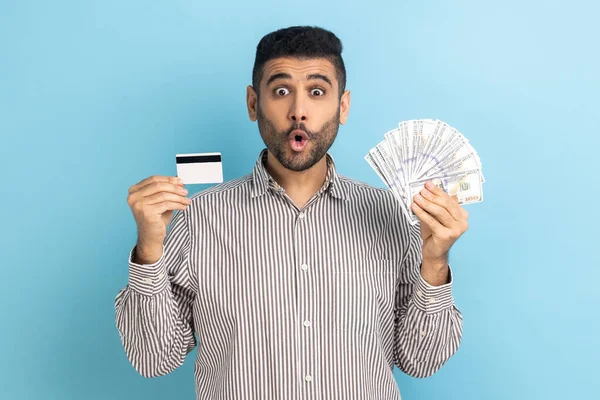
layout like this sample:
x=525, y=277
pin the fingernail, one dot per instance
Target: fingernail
x=419, y=197
x=429, y=185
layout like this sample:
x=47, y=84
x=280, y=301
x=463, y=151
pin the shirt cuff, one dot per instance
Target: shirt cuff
x=147, y=279
x=433, y=299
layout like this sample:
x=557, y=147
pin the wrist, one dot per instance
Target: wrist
x=435, y=272
x=146, y=253
x=435, y=264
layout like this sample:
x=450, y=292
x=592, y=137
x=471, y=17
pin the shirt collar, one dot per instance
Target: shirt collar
x=262, y=180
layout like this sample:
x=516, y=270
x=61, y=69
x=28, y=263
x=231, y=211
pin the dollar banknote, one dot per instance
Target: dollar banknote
x=424, y=150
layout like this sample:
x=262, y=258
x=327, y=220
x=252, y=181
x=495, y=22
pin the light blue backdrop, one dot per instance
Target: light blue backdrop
x=97, y=95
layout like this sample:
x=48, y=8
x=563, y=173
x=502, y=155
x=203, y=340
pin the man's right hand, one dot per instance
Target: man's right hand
x=152, y=202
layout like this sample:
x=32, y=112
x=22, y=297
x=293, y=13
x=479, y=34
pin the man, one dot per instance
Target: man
x=298, y=282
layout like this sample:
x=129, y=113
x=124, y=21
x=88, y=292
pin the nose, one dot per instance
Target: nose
x=298, y=111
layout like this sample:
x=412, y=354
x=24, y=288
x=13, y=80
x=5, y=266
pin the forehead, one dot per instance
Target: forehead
x=299, y=68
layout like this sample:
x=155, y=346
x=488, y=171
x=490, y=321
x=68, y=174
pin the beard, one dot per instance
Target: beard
x=319, y=141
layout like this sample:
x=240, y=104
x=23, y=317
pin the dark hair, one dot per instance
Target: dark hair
x=303, y=42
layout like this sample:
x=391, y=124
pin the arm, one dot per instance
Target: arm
x=428, y=325
x=154, y=311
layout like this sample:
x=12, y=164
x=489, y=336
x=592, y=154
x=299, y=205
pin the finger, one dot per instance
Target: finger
x=438, y=196
x=162, y=207
x=461, y=215
x=426, y=219
x=435, y=210
x=460, y=211
x=456, y=211
x=165, y=196
x=159, y=187
x=154, y=179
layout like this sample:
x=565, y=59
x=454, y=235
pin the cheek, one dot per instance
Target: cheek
x=326, y=110
x=276, y=112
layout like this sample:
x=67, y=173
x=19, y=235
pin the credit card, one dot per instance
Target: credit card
x=196, y=168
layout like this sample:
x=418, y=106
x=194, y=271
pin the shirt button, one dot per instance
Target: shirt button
x=147, y=280
x=307, y=323
x=301, y=215
x=419, y=293
x=423, y=333
x=431, y=300
x=304, y=267
x=308, y=378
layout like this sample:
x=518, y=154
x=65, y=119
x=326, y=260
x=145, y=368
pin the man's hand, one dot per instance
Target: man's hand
x=153, y=202
x=443, y=221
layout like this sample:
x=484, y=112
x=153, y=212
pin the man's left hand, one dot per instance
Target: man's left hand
x=443, y=221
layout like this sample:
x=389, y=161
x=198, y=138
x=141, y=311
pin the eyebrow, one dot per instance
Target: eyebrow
x=283, y=75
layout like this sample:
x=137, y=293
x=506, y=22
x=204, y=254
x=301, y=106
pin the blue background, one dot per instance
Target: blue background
x=97, y=95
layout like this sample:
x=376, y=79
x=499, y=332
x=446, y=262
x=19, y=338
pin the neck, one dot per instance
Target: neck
x=300, y=186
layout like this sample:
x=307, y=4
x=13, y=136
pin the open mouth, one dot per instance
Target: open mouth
x=298, y=140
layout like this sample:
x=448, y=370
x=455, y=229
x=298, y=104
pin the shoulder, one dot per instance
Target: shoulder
x=222, y=191
x=363, y=192
x=209, y=201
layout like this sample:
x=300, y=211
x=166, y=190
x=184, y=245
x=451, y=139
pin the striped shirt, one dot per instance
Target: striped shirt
x=285, y=303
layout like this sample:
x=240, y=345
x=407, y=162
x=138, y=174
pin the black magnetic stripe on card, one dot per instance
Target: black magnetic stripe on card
x=198, y=159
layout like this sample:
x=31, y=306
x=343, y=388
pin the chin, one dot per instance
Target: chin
x=298, y=163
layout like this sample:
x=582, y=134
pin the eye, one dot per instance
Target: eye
x=281, y=91
x=317, y=92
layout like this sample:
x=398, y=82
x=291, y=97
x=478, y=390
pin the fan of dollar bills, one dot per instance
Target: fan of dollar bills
x=422, y=150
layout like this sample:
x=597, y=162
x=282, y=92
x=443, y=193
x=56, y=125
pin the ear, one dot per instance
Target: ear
x=251, y=102
x=344, y=107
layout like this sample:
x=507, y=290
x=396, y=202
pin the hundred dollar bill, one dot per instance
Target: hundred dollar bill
x=457, y=157
x=419, y=150
x=465, y=185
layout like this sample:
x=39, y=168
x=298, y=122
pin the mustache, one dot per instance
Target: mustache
x=299, y=126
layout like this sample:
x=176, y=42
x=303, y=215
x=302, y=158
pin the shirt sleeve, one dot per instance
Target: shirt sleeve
x=154, y=311
x=428, y=325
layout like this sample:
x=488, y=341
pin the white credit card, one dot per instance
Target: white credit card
x=199, y=168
